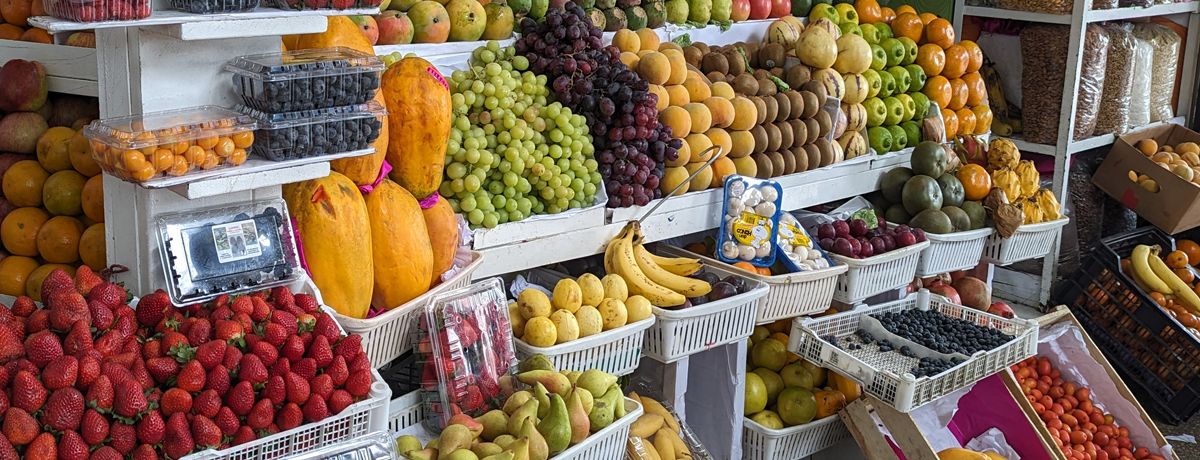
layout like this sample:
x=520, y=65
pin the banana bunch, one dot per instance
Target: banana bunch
x=1153, y=275
x=661, y=280
x=655, y=435
x=1046, y=200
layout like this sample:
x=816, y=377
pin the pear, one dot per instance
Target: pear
x=537, y=362
x=601, y=415
x=580, y=425
x=423, y=454
x=508, y=384
x=617, y=399
x=527, y=411
x=494, y=423
x=596, y=381
x=515, y=401
x=519, y=449
x=467, y=421
x=553, y=381
x=499, y=456
x=572, y=376
x=454, y=437
x=407, y=443
x=543, y=398
x=586, y=398
x=556, y=426
x=460, y=454
x=486, y=449
x=504, y=441
x=538, y=450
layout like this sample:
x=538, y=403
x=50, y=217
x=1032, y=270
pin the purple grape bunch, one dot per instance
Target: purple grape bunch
x=631, y=145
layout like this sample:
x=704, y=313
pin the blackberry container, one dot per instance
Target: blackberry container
x=301, y=5
x=311, y=133
x=97, y=10
x=313, y=79
x=214, y=6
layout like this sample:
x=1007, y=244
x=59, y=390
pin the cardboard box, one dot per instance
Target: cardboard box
x=1176, y=205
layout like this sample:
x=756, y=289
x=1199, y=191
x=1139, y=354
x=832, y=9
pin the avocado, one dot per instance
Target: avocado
x=892, y=183
x=800, y=8
x=635, y=17
x=896, y=214
x=921, y=193
x=933, y=221
x=656, y=14
x=929, y=159
x=976, y=212
x=952, y=190
x=958, y=218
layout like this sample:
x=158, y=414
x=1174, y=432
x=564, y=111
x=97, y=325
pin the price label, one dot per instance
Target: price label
x=751, y=229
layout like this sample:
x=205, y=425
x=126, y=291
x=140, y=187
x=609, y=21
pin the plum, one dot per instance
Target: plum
x=902, y=228
x=722, y=290
x=855, y=246
x=826, y=231
x=708, y=277
x=889, y=243
x=918, y=235
x=826, y=243
x=695, y=301
x=842, y=247
x=878, y=245
x=867, y=250
x=842, y=228
x=738, y=283
x=905, y=239
x=858, y=227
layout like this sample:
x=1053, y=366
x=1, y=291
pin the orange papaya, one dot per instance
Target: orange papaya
x=401, y=252
x=335, y=232
x=419, y=116
x=364, y=169
x=341, y=32
x=443, y=235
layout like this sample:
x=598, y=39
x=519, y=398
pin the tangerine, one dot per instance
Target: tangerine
x=927, y=17
x=58, y=239
x=939, y=32
x=966, y=122
x=937, y=89
x=14, y=270
x=61, y=195
x=10, y=32
x=976, y=89
x=33, y=284
x=92, y=199
x=975, y=53
x=888, y=15
x=976, y=181
x=931, y=58
x=1190, y=248
x=92, y=250
x=20, y=228
x=36, y=35
x=983, y=119
x=957, y=59
x=951, y=121
x=869, y=11
x=958, y=94
x=747, y=266
x=908, y=25
x=1176, y=259
x=1186, y=275
x=23, y=182
x=905, y=9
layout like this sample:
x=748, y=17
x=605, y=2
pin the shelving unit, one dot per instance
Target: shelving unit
x=1066, y=146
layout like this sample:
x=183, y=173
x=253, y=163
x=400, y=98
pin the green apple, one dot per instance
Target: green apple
x=921, y=102
x=880, y=139
x=895, y=51
x=824, y=10
x=910, y=107
x=910, y=50
x=887, y=84
x=899, y=137
x=876, y=111
x=850, y=28
x=917, y=74
x=895, y=111
x=885, y=31
x=912, y=131
x=847, y=13
x=903, y=79
x=874, y=83
x=870, y=33
x=879, y=57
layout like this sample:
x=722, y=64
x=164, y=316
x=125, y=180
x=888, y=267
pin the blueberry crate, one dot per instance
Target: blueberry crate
x=311, y=133
x=214, y=6
x=1153, y=351
x=293, y=81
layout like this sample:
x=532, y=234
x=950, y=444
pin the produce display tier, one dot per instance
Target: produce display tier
x=187, y=26
x=1114, y=14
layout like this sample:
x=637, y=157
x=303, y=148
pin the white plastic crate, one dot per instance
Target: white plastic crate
x=1031, y=241
x=606, y=444
x=788, y=295
x=405, y=411
x=386, y=336
x=883, y=378
x=877, y=274
x=617, y=351
x=791, y=443
x=679, y=333
x=950, y=252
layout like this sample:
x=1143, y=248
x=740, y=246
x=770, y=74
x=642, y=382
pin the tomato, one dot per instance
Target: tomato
x=760, y=9
x=1101, y=438
x=1083, y=394
x=780, y=8
x=1044, y=366
x=1038, y=407
x=1069, y=420
x=1141, y=453
x=740, y=10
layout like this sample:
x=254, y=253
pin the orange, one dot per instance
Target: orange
x=92, y=198
x=957, y=59
x=92, y=247
x=10, y=32
x=15, y=12
x=1158, y=298
x=940, y=32
x=1176, y=259
x=14, y=270
x=23, y=182
x=976, y=90
x=1186, y=275
x=937, y=88
x=889, y=14
x=927, y=17
x=958, y=94
x=747, y=266
x=20, y=228
x=905, y=9
x=58, y=239
x=764, y=271
x=951, y=121
x=983, y=118
x=1190, y=248
x=37, y=36
x=966, y=122
x=908, y=25
x=33, y=284
x=975, y=53
x=931, y=58
x=976, y=181
x=868, y=11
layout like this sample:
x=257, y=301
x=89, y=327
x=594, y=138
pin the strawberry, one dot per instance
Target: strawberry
x=150, y=428
x=177, y=441
x=142, y=375
x=230, y=331
x=27, y=392
x=128, y=400
x=240, y=398
x=23, y=306
x=307, y=303
x=43, y=347
x=339, y=400
x=6, y=450
x=274, y=334
x=109, y=294
x=126, y=325
x=282, y=297
x=222, y=301
x=44, y=445
x=220, y=314
x=105, y=453
x=349, y=347
x=306, y=321
x=174, y=343
x=63, y=410
x=322, y=385
x=10, y=345
x=5, y=377
x=293, y=348
x=72, y=447
x=191, y=377
x=200, y=332
x=242, y=304
x=86, y=279
x=100, y=394
x=306, y=367
x=338, y=371
x=22, y=364
x=131, y=346
x=472, y=400
x=261, y=415
x=281, y=367
x=57, y=281
x=218, y=379
x=145, y=452
x=123, y=437
x=320, y=351
x=261, y=310
x=162, y=369
x=115, y=371
x=102, y=317
x=361, y=363
x=266, y=352
x=152, y=348
x=227, y=421
x=66, y=308
x=152, y=308
x=89, y=370
x=251, y=369
x=38, y=321
x=359, y=384
x=4, y=402
x=95, y=427
x=315, y=410
x=61, y=373
x=208, y=402
x=243, y=435
x=175, y=400
x=78, y=339
x=298, y=389
x=233, y=357
x=287, y=320
x=19, y=427
x=210, y=354
x=327, y=327
x=205, y=432
x=110, y=343
x=275, y=390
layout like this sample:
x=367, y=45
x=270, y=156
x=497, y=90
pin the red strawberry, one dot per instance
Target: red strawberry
x=240, y=398
x=222, y=301
x=261, y=415
x=281, y=367
x=175, y=343
x=145, y=452
x=115, y=371
x=27, y=392
x=327, y=327
x=110, y=295
x=208, y=402
x=266, y=353
x=320, y=351
x=38, y=321
x=218, y=379
x=6, y=450
x=95, y=427
x=210, y=354
x=287, y=320
x=72, y=447
x=151, y=427
x=298, y=389
x=251, y=369
x=78, y=339
x=233, y=357
x=339, y=400
x=322, y=385
x=361, y=363
x=100, y=394
x=220, y=314
x=275, y=390
x=44, y=445
x=142, y=375
x=177, y=441
x=307, y=303
x=315, y=410
x=123, y=437
x=229, y=331
x=10, y=346
x=89, y=370
x=306, y=321
x=61, y=373
x=162, y=369
x=205, y=432
x=242, y=304
x=23, y=306
x=152, y=308
x=200, y=332
x=104, y=453
x=4, y=402
x=338, y=371
x=261, y=310
x=306, y=367
x=191, y=377
x=349, y=347
x=102, y=317
x=293, y=348
x=243, y=435
x=175, y=400
x=110, y=343
x=359, y=384
x=16, y=325
x=274, y=334
x=86, y=279
x=57, y=281
x=126, y=325
x=43, y=347
x=66, y=308
x=129, y=401
x=63, y=410
x=289, y=416
x=282, y=297
x=22, y=364
x=227, y=421
x=19, y=427
x=152, y=349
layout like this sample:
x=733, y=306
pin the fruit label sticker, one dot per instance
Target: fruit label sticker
x=236, y=241
x=438, y=75
x=752, y=229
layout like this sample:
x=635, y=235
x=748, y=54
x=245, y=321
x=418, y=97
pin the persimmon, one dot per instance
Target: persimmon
x=932, y=59
x=869, y=11
x=939, y=32
x=1176, y=259
x=908, y=25
x=1190, y=248
x=951, y=122
x=957, y=60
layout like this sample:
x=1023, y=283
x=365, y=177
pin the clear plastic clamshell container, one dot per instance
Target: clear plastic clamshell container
x=306, y=79
x=227, y=250
x=97, y=10
x=138, y=148
x=311, y=133
x=214, y=6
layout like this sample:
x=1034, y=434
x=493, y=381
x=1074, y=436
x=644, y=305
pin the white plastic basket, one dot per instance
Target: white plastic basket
x=882, y=377
x=386, y=337
x=788, y=295
x=617, y=351
x=1031, y=241
x=877, y=274
x=405, y=411
x=950, y=252
x=679, y=333
x=791, y=443
x=606, y=444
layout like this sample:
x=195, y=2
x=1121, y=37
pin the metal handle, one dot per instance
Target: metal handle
x=680, y=185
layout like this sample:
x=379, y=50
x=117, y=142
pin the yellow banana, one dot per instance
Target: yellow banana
x=625, y=264
x=995, y=91
x=689, y=287
x=682, y=266
x=663, y=444
x=1142, y=271
x=611, y=249
x=1183, y=293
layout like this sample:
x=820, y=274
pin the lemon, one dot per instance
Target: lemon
x=565, y=324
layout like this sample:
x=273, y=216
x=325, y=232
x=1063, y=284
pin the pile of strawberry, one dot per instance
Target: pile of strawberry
x=89, y=377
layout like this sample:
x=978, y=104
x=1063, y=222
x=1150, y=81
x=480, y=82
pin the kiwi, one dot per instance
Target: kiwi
x=811, y=104
x=799, y=132
x=801, y=158
x=796, y=102
x=751, y=47
x=714, y=62
x=814, y=130
x=776, y=72
x=797, y=76
x=773, y=139
x=824, y=122
x=818, y=90
x=770, y=56
x=766, y=87
x=772, y=109
x=693, y=55
x=716, y=76
x=777, y=163
x=765, y=166
x=826, y=150
x=760, y=138
x=746, y=84
x=762, y=109
x=814, y=156
x=785, y=135
x=785, y=106
x=702, y=46
x=789, y=162
x=737, y=63
x=760, y=73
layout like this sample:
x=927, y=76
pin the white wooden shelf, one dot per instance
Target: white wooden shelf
x=253, y=174
x=1083, y=145
x=261, y=22
x=71, y=69
x=1089, y=17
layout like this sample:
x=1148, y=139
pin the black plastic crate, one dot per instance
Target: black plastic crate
x=1155, y=353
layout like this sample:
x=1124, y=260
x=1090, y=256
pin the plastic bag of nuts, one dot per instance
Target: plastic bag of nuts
x=1091, y=80
x=1104, y=4
x=1044, y=56
x=1118, y=80
x=1042, y=6
x=1166, y=57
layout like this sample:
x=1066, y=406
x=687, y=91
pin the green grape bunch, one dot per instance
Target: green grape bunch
x=514, y=153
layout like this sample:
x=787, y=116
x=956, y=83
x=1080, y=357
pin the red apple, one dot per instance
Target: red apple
x=761, y=9
x=740, y=11
x=394, y=28
x=999, y=308
x=780, y=8
x=368, y=26
x=25, y=86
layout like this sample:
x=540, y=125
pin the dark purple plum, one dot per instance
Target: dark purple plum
x=826, y=231
x=722, y=290
x=878, y=245
x=905, y=239
x=889, y=242
x=858, y=227
x=842, y=228
x=866, y=250
x=826, y=243
x=918, y=234
x=842, y=247
x=855, y=246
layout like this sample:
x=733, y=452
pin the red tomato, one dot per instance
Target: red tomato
x=781, y=8
x=760, y=9
x=740, y=11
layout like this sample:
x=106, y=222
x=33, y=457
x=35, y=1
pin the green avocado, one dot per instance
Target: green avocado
x=896, y=214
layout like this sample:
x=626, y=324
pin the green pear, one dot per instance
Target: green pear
x=617, y=400
x=500, y=456
x=515, y=401
x=580, y=425
x=596, y=381
x=585, y=397
x=519, y=449
x=486, y=449
x=537, y=362
x=504, y=441
x=556, y=426
x=601, y=415
x=423, y=454
x=538, y=450
x=407, y=443
x=527, y=411
x=433, y=444
x=454, y=437
x=573, y=376
x=460, y=454
x=553, y=381
x=543, y=398
x=494, y=423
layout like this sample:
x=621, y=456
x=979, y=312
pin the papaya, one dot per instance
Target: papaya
x=335, y=232
x=443, y=236
x=419, y=115
x=363, y=170
x=400, y=250
x=341, y=32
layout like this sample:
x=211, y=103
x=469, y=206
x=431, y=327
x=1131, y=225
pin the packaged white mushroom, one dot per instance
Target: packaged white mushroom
x=800, y=252
x=750, y=221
